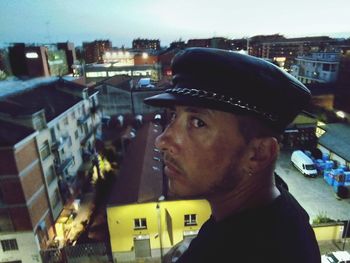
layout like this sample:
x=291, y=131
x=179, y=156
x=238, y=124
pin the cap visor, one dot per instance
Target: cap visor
x=168, y=100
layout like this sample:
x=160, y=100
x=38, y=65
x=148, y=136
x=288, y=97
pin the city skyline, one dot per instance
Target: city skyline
x=120, y=21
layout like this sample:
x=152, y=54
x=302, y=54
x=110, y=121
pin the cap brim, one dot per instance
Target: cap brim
x=168, y=100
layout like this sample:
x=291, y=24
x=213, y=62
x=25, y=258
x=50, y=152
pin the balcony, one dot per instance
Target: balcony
x=58, y=145
x=61, y=167
x=88, y=135
x=83, y=119
x=94, y=109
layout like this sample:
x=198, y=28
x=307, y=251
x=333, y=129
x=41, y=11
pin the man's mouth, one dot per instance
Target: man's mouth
x=170, y=170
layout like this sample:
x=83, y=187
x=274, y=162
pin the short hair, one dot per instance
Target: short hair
x=252, y=127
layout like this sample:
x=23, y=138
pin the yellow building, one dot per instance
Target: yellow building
x=143, y=220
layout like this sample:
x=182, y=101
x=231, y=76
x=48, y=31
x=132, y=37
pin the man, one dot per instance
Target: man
x=227, y=112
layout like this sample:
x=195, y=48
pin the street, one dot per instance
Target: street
x=314, y=194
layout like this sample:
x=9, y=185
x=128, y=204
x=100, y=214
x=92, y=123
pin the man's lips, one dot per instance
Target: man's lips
x=171, y=171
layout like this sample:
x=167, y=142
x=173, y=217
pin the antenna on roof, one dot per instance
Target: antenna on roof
x=48, y=37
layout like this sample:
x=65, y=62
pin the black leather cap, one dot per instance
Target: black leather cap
x=233, y=82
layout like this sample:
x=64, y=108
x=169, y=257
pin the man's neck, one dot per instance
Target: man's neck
x=247, y=196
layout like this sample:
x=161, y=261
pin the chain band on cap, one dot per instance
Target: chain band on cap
x=222, y=98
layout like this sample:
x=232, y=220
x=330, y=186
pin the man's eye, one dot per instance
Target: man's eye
x=198, y=123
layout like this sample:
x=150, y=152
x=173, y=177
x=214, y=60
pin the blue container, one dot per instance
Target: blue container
x=329, y=179
x=329, y=165
x=325, y=156
x=320, y=166
x=339, y=171
x=336, y=185
x=347, y=176
x=342, y=166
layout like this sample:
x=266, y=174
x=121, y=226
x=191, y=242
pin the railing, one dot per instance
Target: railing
x=58, y=145
x=88, y=135
x=93, y=252
x=63, y=165
x=83, y=119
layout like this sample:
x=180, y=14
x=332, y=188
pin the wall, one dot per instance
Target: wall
x=328, y=232
x=28, y=250
x=122, y=232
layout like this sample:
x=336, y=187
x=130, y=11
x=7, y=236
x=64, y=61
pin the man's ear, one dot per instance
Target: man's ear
x=262, y=153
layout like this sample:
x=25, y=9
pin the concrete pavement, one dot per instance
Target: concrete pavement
x=314, y=194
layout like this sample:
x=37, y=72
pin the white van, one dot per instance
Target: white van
x=336, y=257
x=304, y=163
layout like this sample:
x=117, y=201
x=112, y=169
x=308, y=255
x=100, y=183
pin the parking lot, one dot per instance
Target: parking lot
x=314, y=194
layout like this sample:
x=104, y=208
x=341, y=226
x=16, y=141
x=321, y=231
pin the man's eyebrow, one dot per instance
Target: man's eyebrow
x=199, y=110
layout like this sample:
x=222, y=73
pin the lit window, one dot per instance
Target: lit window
x=191, y=220
x=140, y=223
x=9, y=244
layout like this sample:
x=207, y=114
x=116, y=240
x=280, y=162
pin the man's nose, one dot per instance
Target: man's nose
x=165, y=142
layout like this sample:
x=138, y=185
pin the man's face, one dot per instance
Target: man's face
x=203, y=152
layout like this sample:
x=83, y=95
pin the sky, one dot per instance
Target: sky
x=121, y=21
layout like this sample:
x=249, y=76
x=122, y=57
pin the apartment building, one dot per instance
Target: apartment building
x=28, y=60
x=48, y=130
x=317, y=67
x=26, y=222
x=146, y=44
x=93, y=51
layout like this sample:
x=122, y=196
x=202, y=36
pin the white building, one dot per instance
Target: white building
x=318, y=67
x=60, y=117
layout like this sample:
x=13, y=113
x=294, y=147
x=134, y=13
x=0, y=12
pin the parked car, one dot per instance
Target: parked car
x=303, y=163
x=336, y=257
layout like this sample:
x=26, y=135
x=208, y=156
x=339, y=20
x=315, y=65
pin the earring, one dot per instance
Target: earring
x=250, y=172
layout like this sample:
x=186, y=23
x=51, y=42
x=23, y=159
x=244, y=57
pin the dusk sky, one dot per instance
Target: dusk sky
x=50, y=21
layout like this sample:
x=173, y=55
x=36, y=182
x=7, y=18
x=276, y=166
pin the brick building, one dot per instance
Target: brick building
x=146, y=44
x=93, y=51
x=26, y=222
x=46, y=132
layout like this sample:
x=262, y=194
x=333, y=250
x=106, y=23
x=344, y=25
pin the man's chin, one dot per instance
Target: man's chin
x=180, y=191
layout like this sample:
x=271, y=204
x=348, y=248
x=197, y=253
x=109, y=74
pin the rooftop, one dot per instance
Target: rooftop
x=43, y=95
x=11, y=133
x=141, y=175
x=337, y=139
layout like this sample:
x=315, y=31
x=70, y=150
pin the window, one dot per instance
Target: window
x=69, y=141
x=65, y=120
x=76, y=134
x=45, y=150
x=73, y=114
x=140, y=223
x=51, y=175
x=9, y=244
x=191, y=220
x=326, y=67
x=55, y=199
